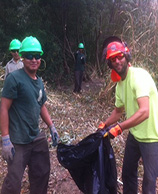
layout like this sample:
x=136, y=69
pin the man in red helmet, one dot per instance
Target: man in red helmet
x=136, y=93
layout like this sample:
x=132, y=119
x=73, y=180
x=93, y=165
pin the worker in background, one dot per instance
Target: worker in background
x=80, y=61
x=16, y=61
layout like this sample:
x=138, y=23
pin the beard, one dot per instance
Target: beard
x=123, y=71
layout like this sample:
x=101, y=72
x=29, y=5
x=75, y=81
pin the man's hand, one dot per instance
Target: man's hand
x=8, y=150
x=114, y=131
x=54, y=134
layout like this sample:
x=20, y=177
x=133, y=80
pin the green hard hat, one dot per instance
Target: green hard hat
x=30, y=44
x=15, y=44
x=81, y=46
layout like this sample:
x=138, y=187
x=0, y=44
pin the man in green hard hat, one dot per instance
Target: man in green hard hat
x=16, y=61
x=23, y=143
x=80, y=61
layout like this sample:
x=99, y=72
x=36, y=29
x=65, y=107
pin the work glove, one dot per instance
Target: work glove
x=102, y=126
x=114, y=131
x=54, y=134
x=8, y=150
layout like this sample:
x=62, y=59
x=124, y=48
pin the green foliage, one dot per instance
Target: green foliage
x=61, y=24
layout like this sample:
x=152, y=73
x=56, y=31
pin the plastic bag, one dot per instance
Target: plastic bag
x=91, y=164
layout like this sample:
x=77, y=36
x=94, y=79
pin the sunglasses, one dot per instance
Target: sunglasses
x=119, y=57
x=14, y=51
x=31, y=56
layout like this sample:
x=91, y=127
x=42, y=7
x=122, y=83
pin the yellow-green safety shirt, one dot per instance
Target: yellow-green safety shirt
x=139, y=83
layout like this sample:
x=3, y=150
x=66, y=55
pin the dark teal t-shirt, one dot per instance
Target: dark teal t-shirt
x=28, y=97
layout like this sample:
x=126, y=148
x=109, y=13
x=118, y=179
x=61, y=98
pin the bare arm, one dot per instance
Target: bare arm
x=4, y=115
x=115, y=116
x=47, y=119
x=141, y=115
x=46, y=116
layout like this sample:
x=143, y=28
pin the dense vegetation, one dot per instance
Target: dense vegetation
x=61, y=24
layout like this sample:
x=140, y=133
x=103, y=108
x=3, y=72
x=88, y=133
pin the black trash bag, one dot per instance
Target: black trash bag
x=91, y=164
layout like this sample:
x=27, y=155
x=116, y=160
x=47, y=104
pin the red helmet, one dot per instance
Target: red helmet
x=115, y=48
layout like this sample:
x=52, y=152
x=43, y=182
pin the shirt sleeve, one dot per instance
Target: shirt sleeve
x=10, y=87
x=142, y=84
x=6, y=71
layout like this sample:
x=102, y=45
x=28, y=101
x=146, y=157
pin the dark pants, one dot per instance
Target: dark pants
x=78, y=81
x=36, y=156
x=149, y=153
